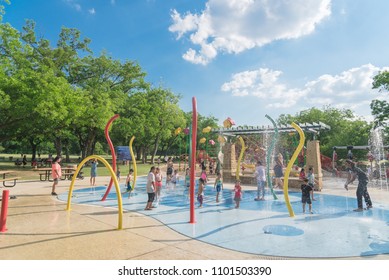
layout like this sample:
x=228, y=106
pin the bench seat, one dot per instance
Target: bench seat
x=9, y=179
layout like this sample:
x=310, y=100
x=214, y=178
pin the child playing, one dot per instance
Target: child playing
x=237, y=194
x=200, y=192
x=260, y=174
x=187, y=178
x=93, y=172
x=129, y=181
x=158, y=184
x=306, y=192
x=204, y=176
x=302, y=174
x=218, y=186
x=311, y=180
x=118, y=174
x=174, y=179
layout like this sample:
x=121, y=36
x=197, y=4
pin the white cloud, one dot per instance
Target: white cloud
x=92, y=11
x=350, y=89
x=264, y=84
x=73, y=4
x=233, y=26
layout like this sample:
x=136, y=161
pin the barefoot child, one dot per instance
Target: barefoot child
x=306, y=193
x=158, y=184
x=200, y=192
x=175, y=179
x=237, y=194
x=129, y=181
x=218, y=186
x=187, y=178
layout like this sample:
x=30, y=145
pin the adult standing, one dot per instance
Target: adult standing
x=150, y=188
x=261, y=180
x=56, y=173
x=362, y=185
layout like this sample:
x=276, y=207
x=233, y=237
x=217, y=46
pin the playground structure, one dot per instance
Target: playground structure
x=230, y=170
x=112, y=171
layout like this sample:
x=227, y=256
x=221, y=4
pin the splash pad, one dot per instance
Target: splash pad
x=265, y=228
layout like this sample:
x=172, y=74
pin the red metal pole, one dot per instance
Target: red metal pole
x=112, y=153
x=4, y=210
x=193, y=161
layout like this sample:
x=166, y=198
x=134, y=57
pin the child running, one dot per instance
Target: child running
x=237, y=194
x=218, y=186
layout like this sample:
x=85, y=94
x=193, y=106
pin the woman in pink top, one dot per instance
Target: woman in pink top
x=56, y=173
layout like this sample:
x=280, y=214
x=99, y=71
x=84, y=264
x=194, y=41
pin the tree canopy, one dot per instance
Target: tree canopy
x=380, y=108
x=346, y=128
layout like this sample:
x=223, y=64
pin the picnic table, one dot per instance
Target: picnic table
x=45, y=173
x=4, y=178
x=67, y=172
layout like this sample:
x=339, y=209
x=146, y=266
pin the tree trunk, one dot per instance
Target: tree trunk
x=87, y=142
x=34, y=148
x=143, y=151
x=169, y=144
x=58, y=145
x=156, y=144
x=139, y=153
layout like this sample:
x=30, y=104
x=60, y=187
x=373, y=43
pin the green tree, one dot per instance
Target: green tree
x=380, y=108
x=151, y=116
x=107, y=86
x=346, y=128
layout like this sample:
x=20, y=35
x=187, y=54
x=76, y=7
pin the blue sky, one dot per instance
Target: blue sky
x=240, y=58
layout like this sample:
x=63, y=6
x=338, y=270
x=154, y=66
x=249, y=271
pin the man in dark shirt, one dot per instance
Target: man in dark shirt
x=362, y=185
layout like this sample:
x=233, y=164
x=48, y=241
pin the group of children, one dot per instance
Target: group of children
x=218, y=186
x=172, y=178
x=306, y=188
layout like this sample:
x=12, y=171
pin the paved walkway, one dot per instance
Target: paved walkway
x=39, y=227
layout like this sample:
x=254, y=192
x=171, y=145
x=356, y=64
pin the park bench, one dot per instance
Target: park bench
x=14, y=179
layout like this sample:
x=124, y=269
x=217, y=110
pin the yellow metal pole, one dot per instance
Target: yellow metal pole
x=115, y=180
x=290, y=165
x=240, y=157
x=133, y=160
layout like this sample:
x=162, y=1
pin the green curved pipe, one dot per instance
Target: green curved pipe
x=269, y=153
